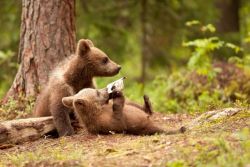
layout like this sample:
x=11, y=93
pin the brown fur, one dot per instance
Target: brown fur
x=116, y=116
x=74, y=74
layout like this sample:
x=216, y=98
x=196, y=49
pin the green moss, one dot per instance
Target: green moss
x=226, y=122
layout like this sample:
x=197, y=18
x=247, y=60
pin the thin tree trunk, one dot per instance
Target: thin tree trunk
x=245, y=26
x=144, y=40
x=47, y=36
x=229, y=15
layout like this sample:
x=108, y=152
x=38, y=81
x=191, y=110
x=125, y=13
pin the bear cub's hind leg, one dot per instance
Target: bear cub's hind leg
x=147, y=105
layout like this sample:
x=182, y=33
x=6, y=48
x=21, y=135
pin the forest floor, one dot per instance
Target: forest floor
x=224, y=142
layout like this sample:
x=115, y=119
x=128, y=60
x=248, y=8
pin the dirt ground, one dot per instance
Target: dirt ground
x=83, y=149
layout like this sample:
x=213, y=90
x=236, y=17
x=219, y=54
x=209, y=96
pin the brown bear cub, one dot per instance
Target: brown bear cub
x=93, y=109
x=74, y=74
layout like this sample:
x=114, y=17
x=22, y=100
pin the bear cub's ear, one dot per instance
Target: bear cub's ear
x=83, y=46
x=89, y=42
x=68, y=101
x=80, y=103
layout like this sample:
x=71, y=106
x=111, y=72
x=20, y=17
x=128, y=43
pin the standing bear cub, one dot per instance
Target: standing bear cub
x=92, y=108
x=74, y=74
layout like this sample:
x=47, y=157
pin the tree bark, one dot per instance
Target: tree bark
x=47, y=36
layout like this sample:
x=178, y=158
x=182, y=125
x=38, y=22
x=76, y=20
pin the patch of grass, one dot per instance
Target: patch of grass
x=61, y=152
x=225, y=150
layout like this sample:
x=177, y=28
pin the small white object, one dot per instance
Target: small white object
x=116, y=85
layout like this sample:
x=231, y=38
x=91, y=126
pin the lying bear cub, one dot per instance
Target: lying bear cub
x=93, y=109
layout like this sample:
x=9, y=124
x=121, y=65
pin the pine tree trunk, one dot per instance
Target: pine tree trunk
x=47, y=36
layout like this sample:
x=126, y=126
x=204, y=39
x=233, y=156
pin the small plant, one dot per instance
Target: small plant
x=207, y=84
x=20, y=108
x=203, y=50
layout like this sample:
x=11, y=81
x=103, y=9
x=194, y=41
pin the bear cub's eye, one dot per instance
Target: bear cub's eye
x=105, y=60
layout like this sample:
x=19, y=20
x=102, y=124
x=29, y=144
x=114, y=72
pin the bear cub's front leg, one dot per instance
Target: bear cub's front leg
x=118, y=106
x=62, y=121
x=118, y=102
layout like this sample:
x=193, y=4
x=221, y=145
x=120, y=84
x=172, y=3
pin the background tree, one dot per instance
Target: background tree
x=229, y=15
x=47, y=36
x=144, y=39
x=245, y=25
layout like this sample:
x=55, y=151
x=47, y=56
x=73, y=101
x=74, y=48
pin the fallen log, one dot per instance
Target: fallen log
x=21, y=130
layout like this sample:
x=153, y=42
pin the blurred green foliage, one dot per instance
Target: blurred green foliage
x=116, y=27
x=10, y=18
x=203, y=84
x=191, y=66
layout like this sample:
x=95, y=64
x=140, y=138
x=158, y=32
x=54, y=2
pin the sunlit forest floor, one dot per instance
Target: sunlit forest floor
x=222, y=142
